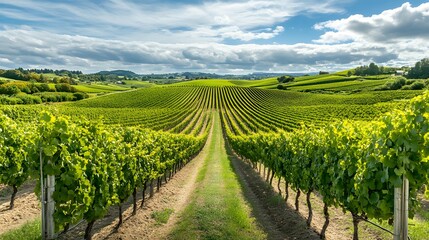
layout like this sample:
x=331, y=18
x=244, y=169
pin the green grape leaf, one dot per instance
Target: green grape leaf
x=50, y=150
x=374, y=198
x=46, y=117
x=399, y=171
x=396, y=181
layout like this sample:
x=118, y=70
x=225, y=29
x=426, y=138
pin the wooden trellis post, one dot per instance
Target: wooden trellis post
x=48, y=204
x=400, y=217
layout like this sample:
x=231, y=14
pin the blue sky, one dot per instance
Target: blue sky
x=233, y=36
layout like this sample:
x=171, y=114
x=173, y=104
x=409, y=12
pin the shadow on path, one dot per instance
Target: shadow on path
x=277, y=219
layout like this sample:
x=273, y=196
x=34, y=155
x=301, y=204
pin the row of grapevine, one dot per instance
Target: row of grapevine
x=95, y=166
x=252, y=109
x=193, y=123
x=88, y=150
x=15, y=165
x=354, y=165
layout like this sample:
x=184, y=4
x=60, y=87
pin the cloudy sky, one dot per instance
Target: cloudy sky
x=221, y=36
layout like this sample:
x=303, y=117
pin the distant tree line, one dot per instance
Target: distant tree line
x=96, y=77
x=33, y=88
x=61, y=72
x=404, y=84
x=285, y=79
x=61, y=76
x=420, y=69
x=13, y=88
x=37, y=76
x=18, y=92
x=41, y=97
x=373, y=69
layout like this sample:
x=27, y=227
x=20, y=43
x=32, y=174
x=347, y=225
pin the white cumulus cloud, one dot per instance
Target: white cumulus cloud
x=35, y=49
x=165, y=37
x=209, y=21
x=395, y=25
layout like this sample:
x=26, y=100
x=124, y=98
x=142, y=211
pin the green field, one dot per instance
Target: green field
x=138, y=84
x=337, y=82
x=333, y=115
x=332, y=82
x=50, y=76
x=98, y=88
x=206, y=83
x=94, y=87
x=6, y=79
x=214, y=120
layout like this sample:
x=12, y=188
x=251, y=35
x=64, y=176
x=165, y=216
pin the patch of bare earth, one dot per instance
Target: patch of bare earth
x=27, y=207
x=174, y=194
x=424, y=206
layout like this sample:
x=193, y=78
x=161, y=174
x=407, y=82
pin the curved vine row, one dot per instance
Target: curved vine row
x=95, y=166
x=354, y=165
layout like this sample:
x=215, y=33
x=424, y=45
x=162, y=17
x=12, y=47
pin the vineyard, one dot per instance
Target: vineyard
x=351, y=150
x=354, y=165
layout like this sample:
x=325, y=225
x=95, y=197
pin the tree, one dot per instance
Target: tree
x=34, y=76
x=420, y=70
x=80, y=95
x=65, y=87
x=285, y=79
x=14, y=74
x=42, y=78
x=373, y=69
x=43, y=87
x=417, y=86
x=395, y=85
x=349, y=73
x=9, y=89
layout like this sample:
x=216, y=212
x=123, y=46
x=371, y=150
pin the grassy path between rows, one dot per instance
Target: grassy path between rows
x=217, y=209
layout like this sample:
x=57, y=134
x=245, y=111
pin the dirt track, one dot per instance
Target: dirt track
x=27, y=207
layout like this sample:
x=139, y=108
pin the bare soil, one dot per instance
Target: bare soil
x=424, y=207
x=27, y=207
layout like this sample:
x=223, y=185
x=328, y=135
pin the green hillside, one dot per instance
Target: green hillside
x=335, y=117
